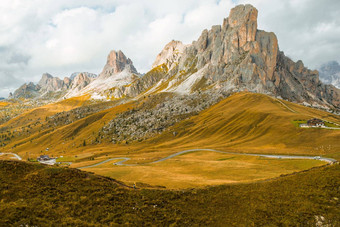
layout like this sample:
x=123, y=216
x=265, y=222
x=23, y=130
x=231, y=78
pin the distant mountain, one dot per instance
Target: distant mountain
x=27, y=91
x=90, y=75
x=330, y=73
x=112, y=83
x=2, y=98
x=53, y=88
x=118, y=73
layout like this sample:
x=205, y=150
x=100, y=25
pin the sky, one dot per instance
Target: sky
x=66, y=36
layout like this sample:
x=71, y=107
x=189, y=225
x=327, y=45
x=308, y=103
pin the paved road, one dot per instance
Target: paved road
x=121, y=163
x=15, y=155
x=108, y=160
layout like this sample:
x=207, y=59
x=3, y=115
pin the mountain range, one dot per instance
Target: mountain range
x=234, y=56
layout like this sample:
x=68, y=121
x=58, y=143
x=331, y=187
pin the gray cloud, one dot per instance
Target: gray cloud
x=64, y=36
x=18, y=58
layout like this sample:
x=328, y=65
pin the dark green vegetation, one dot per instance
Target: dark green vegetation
x=33, y=194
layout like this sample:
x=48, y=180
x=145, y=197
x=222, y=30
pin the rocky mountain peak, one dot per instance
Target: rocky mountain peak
x=243, y=14
x=237, y=56
x=45, y=78
x=80, y=81
x=49, y=83
x=116, y=63
x=170, y=54
x=29, y=90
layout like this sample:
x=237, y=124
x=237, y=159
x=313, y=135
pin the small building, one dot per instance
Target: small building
x=315, y=123
x=43, y=158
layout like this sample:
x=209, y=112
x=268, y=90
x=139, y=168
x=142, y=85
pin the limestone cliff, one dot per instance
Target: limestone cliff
x=117, y=62
x=26, y=91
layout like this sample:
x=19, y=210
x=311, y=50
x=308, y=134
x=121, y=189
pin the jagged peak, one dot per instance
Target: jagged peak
x=170, y=54
x=116, y=63
x=242, y=14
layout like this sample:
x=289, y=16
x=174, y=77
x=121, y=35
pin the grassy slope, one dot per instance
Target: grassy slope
x=244, y=122
x=257, y=123
x=3, y=104
x=41, y=112
x=33, y=195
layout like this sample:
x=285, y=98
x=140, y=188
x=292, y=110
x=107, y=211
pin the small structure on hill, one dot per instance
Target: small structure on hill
x=43, y=158
x=315, y=122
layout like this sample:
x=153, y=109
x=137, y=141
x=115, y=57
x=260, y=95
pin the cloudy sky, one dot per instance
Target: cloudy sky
x=65, y=36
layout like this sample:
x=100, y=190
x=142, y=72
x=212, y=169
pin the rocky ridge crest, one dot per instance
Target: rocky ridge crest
x=236, y=56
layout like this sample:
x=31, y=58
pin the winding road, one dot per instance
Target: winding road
x=15, y=155
x=124, y=159
x=108, y=160
x=121, y=163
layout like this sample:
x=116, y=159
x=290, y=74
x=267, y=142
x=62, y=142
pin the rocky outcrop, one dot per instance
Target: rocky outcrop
x=116, y=63
x=112, y=83
x=170, y=54
x=49, y=83
x=330, y=73
x=80, y=81
x=27, y=91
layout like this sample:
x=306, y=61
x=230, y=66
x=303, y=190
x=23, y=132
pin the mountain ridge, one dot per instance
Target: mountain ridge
x=236, y=56
x=231, y=57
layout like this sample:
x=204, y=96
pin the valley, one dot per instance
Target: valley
x=225, y=131
x=266, y=127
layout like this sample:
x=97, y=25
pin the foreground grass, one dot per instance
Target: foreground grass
x=33, y=194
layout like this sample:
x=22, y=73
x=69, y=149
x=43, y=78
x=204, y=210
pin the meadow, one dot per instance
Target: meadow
x=242, y=123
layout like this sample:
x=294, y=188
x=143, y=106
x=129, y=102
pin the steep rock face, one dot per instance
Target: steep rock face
x=330, y=73
x=112, y=83
x=170, y=54
x=237, y=56
x=80, y=81
x=27, y=91
x=117, y=62
x=300, y=84
x=49, y=83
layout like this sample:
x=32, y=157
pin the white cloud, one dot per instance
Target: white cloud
x=64, y=36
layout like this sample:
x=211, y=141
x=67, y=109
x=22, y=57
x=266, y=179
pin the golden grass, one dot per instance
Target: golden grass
x=2, y=104
x=243, y=123
x=256, y=123
x=40, y=113
x=201, y=169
